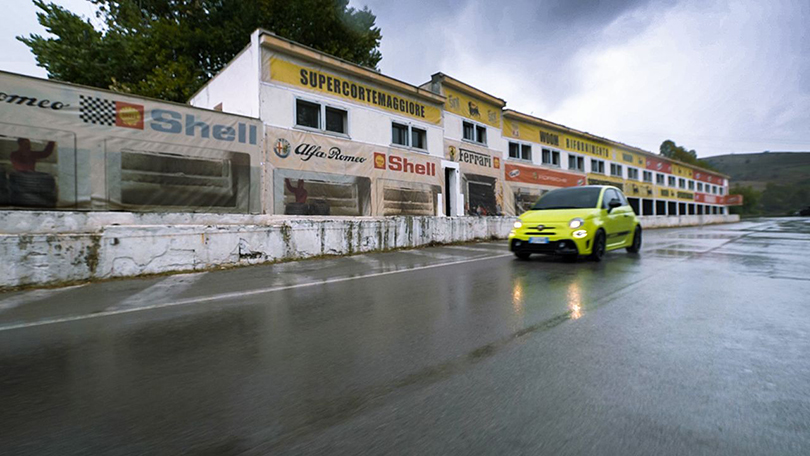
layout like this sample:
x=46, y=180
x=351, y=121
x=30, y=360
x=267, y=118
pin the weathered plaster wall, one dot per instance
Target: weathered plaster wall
x=56, y=247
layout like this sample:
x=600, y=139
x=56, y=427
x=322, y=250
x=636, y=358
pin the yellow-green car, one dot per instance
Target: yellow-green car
x=573, y=221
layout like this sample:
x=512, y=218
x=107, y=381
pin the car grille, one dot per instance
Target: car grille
x=541, y=230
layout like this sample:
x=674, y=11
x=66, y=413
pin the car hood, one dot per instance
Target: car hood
x=557, y=215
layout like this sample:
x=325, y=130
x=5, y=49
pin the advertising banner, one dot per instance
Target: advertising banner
x=635, y=189
x=673, y=194
x=317, y=174
x=734, y=200
x=630, y=158
x=601, y=179
x=708, y=199
x=681, y=171
x=542, y=176
x=659, y=165
x=703, y=176
x=64, y=146
x=472, y=108
x=329, y=83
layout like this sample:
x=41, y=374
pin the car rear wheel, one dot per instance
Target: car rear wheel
x=636, y=246
x=523, y=255
x=598, y=246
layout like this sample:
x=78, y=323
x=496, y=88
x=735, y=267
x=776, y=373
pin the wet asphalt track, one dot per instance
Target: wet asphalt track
x=700, y=345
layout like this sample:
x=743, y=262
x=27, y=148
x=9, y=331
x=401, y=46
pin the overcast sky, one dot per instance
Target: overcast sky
x=718, y=76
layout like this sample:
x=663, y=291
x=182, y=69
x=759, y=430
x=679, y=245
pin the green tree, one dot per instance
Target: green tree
x=168, y=48
x=669, y=149
x=751, y=199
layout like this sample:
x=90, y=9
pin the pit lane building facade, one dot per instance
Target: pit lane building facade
x=341, y=139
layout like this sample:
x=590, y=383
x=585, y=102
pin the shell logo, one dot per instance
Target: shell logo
x=379, y=160
x=128, y=115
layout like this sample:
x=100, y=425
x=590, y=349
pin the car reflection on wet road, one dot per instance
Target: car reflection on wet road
x=696, y=346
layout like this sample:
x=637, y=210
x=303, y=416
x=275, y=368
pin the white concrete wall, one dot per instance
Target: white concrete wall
x=663, y=221
x=157, y=243
x=236, y=86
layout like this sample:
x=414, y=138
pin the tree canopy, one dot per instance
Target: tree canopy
x=671, y=150
x=169, y=48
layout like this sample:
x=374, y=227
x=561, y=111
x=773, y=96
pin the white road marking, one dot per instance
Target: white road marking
x=34, y=295
x=471, y=249
x=238, y=294
x=169, y=286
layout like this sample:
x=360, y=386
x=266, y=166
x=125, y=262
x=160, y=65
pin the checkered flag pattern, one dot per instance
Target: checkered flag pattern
x=97, y=110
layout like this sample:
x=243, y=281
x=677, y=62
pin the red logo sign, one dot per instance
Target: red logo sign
x=128, y=115
x=542, y=176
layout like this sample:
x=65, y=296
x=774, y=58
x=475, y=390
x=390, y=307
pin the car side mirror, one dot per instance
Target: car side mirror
x=613, y=204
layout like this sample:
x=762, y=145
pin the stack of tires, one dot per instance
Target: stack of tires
x=31, y=189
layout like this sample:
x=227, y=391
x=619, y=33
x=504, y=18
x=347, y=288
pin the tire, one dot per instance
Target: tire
x=32, y=189
x=635, y=247
x=523, y=256
x=3, y=189
x=599, y=246
x=295, y=209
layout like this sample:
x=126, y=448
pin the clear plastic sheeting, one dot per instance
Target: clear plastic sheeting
x=481, y=195
x=310, y=193
x=408, y=198
x=28, y=173
x=69, y=147
x=525, y=198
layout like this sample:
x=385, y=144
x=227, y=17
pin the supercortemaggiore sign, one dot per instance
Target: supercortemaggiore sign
x=342, y=87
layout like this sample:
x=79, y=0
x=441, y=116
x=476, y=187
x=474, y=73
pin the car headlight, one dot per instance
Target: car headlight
x=579, y=234
x=576, y=223
x=518, y=224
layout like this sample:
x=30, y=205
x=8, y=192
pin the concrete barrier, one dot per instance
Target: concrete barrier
x=663, y=221
x=50, y=247
x=44, y=248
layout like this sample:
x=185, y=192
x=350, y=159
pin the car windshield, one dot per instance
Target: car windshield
x=569, y=198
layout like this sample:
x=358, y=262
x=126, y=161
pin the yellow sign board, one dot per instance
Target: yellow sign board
x=601, y=179
x=636, y=189
x=576, y=144
x=630, y=158
x=528, y=132
x=681, y=171
x=342, y=87
x=675, y=194
x=472, y=108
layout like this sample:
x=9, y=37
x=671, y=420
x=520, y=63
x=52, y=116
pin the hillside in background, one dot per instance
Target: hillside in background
x=758, y=170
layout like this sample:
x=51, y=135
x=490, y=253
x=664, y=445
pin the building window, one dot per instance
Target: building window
x=671, y=181
x=598, y=166
x=691, y=185
x=321, y=117
x=418, y=138
x=700, y=186
x=520, y=151
x=336, y=120
x=681, y=182
x=659, y=179
x=475, y=133
x=714, y=189
x=721, y=190
x=408, y=136
x=576, y=162
x=632, y=173
x=307, y=114
x=551, y=157
x=647, y=176
x=615, y=170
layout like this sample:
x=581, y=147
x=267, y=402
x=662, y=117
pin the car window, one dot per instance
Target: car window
x=610, y=194
x=569, y=198
x=623, y=199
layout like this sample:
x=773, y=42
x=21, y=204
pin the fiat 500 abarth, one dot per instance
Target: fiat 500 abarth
x=589, y=220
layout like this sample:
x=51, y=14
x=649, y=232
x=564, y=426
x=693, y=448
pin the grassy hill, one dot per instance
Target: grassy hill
x=757, y=170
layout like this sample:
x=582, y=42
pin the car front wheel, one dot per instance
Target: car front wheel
x=598, y=250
